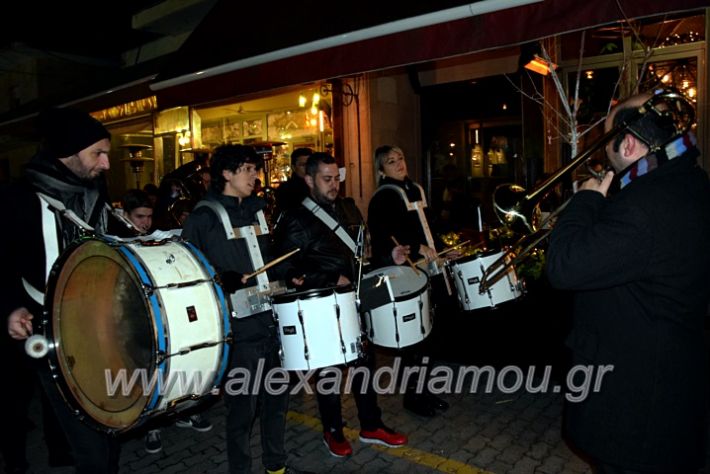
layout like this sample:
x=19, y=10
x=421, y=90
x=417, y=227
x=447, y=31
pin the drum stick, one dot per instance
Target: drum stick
x=409, y=260
x=447, y=250
x=271, y=263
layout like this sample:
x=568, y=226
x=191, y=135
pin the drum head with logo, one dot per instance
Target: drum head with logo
x=101, y=329
x=403, y=280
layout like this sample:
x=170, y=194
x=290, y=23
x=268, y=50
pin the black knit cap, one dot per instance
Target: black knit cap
x=67, y=131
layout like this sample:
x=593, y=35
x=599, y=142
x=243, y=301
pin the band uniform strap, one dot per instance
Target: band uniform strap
x=417, y=206
x=248, y=233
x=331, y=223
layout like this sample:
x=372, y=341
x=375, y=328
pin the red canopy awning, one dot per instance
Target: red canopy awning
x=219, y=42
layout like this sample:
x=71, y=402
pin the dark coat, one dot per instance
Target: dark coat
x=290, y=194
x=639, y=262
x=22, y=248
x=204, y=229
x=387, y=216
x=323, y=256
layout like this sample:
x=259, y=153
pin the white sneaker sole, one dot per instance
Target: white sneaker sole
x=201, y=430
x=380, y=442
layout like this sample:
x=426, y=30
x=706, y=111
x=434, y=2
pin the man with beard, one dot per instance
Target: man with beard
x=64, y=178
x=326, y=261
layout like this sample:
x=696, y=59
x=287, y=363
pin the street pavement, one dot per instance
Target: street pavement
x=501, y=431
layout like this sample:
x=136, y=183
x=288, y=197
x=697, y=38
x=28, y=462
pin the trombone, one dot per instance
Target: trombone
x=516, y=209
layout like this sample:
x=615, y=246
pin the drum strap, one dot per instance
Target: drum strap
x=248, y=233
x=331, y=223
x=417, y=206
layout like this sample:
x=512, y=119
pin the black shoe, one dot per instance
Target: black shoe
x=437, y=402
x=418, y=404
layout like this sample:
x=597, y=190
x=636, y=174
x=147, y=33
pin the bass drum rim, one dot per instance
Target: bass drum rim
x=69, y=387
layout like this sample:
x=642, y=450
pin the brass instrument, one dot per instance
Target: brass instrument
x=517, y=210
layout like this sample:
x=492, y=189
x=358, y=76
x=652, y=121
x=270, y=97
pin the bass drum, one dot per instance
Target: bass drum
x=135, y=330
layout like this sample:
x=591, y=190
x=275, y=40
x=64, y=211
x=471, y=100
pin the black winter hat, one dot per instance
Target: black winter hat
x=67, y=131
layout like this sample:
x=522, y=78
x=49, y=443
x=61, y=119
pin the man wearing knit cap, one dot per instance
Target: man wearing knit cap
x=65, y=175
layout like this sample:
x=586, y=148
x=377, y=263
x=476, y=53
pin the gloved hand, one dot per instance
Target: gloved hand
x=231, y=281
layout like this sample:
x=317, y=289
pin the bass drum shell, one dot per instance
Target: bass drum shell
x=121, y=317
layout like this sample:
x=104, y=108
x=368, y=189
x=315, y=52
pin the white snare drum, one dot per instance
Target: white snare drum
x=143, y=311
x=467, y=273
x=406, y=318
x=318, y=328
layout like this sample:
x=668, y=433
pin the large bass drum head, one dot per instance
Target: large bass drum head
x=101, y=326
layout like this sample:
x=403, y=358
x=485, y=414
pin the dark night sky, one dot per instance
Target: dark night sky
x=100, y=28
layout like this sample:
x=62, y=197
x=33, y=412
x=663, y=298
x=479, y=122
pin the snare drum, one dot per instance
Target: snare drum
x=318, y=328
x=467, y=273
x=124, y=315
x=406, y=318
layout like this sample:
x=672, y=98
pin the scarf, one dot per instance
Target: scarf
x=86, y=198
x=681, y=145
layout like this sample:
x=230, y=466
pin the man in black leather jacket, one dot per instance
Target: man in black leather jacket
x=325, y=260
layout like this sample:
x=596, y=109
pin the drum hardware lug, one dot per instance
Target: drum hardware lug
x=160, y=357
x=421, y=318
x=463, y=285
x=306, y=355
x=372, y=328
x=396, y=323
x=340, y=329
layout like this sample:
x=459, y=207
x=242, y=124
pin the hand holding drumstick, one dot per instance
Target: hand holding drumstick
x=269, y=265
x=409, y=260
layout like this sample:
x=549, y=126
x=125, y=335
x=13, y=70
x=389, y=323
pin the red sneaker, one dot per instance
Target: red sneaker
x=384, y=436
x=337, y=444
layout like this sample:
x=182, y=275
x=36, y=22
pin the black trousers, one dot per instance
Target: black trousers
x=368, y=412
x=94, y=451
x=21, y=380
x=420, y=354
x=243, y=408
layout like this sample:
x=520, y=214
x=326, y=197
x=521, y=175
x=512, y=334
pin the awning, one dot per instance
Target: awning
x=236, y=52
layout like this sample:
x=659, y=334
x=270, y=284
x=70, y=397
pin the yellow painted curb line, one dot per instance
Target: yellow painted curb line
x=411, y=454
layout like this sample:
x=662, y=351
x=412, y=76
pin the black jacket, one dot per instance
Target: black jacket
x=639, y=262
x=323, y=256
x=387, y=216
x=290, y=194
x=22, y=247
x=230, y=258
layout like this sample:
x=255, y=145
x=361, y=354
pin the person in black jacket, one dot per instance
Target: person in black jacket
x=290, y=194
x=254, y=338
x=639, y=263
x=392, y=213
x=326, y=261
x=66, y=174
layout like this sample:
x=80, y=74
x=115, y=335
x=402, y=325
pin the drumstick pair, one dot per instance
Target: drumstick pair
x=449, y=249
x=271, y=264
